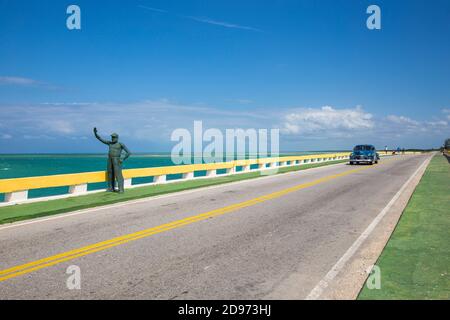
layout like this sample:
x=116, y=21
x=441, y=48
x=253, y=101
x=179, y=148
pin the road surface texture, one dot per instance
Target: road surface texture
x=235, y=241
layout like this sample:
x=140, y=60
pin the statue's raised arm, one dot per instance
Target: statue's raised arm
x=100, y=138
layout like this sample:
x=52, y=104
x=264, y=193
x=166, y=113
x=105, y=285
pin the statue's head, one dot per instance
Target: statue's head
x=114, y=137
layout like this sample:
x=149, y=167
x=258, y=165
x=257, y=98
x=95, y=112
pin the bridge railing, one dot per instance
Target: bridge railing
x=16, y=189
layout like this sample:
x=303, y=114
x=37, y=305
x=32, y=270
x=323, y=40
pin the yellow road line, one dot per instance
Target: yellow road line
x=83, y=251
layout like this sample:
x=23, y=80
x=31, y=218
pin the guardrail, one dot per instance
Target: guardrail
x=16, y=190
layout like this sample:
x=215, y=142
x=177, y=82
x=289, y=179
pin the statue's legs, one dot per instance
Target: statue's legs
x=117, y=169
x=111, y=178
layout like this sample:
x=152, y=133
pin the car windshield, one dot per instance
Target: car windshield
x=363, y=148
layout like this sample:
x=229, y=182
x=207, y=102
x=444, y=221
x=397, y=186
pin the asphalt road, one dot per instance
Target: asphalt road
x=251, y=237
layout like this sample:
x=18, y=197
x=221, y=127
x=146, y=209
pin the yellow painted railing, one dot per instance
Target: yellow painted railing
x=16, y=190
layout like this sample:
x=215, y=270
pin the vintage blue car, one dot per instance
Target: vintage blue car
x=364, y=153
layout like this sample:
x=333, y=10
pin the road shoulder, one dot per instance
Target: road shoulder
x=415, y=262
x=346, y=278
x=348, y=283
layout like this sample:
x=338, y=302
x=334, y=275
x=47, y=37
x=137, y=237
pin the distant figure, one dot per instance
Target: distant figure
x=115, y=161
x=385, y=149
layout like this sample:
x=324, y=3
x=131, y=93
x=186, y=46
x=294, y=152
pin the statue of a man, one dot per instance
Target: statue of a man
x=115, y=160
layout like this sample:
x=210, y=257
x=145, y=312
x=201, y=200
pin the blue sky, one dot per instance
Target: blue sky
x=144, y=67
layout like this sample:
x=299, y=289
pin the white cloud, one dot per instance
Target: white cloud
x=204, y=20
x=350, y=125
x=25, y=82
x=222, y=23
x=59, y=126
x=38, y=137
x=153, y=9
x=153, y=122
x=446, y=112
x=244, y=101
x=147, y=120
x=326, y=120
x=438, y=123
x=402, y=120
x=402, y=126
x=68, y=103
x=17, y=81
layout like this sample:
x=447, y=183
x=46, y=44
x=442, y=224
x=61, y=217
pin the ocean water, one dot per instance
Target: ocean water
x=29, y=165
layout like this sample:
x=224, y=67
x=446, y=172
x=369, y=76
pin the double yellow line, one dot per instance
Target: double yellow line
x=83, y=251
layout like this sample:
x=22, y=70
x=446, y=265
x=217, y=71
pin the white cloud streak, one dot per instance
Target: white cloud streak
x=153, y=122
x=447, y=113
x=24, y=82
x=19, y=81
x=147, y=120
x=326, y=120
x=402, y=120
x=205, y=20
x=153, y=9
x=222, y=23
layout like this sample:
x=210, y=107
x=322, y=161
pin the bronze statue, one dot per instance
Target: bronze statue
x=115, y=161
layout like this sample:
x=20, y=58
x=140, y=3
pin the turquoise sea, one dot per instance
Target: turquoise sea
x=28, y=165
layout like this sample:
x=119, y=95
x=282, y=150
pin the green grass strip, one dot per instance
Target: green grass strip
x=45, y=208
x=415, y=263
